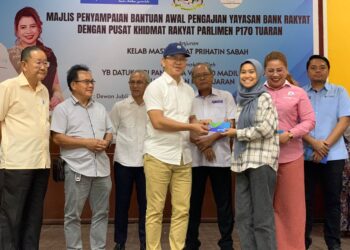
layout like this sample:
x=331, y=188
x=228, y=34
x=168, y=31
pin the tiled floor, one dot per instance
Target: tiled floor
x=52, y=237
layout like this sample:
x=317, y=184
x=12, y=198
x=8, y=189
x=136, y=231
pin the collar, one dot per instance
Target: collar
x=75, y=101
x=326, y=87
x=131, y=100
x=285, y=84
x=214, y=92
x=23, y=82
x=171, y=80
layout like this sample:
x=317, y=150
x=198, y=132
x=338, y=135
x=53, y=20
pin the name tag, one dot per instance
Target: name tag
x=217, y=101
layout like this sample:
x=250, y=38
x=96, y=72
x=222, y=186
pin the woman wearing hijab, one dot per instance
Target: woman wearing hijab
x=255, y=159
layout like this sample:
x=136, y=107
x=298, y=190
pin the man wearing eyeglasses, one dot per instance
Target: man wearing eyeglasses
x=211, y=158
x=129, y=120
x=167, y=159
x=83, y=130
x=25, y=159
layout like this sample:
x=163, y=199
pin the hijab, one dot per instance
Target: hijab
x=247, y=98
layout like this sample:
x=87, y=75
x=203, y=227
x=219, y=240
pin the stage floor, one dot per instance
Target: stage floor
x=52, y=237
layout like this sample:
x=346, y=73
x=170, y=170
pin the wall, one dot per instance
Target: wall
x=338, y=24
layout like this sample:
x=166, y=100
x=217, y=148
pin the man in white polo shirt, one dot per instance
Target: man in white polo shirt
x=167, y=159
x=211, y=158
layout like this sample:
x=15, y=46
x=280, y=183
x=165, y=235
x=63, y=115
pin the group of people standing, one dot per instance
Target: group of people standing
x=283, y=138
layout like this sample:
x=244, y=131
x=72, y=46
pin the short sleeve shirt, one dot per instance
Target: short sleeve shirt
x=175, y=100
x=330, y=103
x=218, y=106
x=72, y=119
x=25, y=127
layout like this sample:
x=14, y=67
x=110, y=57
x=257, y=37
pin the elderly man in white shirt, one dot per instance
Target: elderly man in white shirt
x=129, y=118
x=211, y=158
x=167, y=159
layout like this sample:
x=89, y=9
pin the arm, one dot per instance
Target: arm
x=114, y=116
x=265, y=125
x=4, y=104
x=209, y=154
x=306, y=117
x=338, y=130
x=321, y=147
x=108, y=138
x=69, y=142
x=160, y=122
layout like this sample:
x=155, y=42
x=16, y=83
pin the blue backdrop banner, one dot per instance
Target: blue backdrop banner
x=115, y=37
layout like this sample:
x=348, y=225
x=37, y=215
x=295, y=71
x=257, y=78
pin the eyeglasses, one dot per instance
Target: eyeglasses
x=87, y=82
x=204, y=75
x=139, y=82
x=176, y=59
x=39, y=64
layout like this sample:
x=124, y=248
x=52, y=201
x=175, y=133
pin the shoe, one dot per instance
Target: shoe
x=119, y=246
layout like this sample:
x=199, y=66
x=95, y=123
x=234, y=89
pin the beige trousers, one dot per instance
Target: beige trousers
x=160, y=176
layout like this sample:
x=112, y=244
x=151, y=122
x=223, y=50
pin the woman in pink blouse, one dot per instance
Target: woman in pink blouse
x=296, y=118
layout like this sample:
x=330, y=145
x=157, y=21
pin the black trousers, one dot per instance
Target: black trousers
x=125, y=177
x=221, y=184
x=330, y=177
x=22, y=203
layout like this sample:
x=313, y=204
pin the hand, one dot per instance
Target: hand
x=209, y=154
x=231, y=132
x=284, y=137
x=321, y=147
x=199, y=129
x=96, y=145
x=205, y=122
x=203, y=142
x=317, y=157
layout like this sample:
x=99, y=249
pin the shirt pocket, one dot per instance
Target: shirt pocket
x=217, y=110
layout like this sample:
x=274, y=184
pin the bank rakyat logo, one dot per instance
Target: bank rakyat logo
x=141, y=2
x=188, y=4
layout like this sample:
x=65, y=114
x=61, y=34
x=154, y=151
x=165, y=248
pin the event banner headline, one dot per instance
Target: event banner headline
x=223, y=23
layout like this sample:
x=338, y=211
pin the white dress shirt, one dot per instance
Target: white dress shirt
x=129, y=122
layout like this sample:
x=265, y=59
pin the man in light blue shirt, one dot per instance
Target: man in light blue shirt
x=325, y=150
x=83, y=130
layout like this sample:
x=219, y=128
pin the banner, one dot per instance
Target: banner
x=115, y=37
